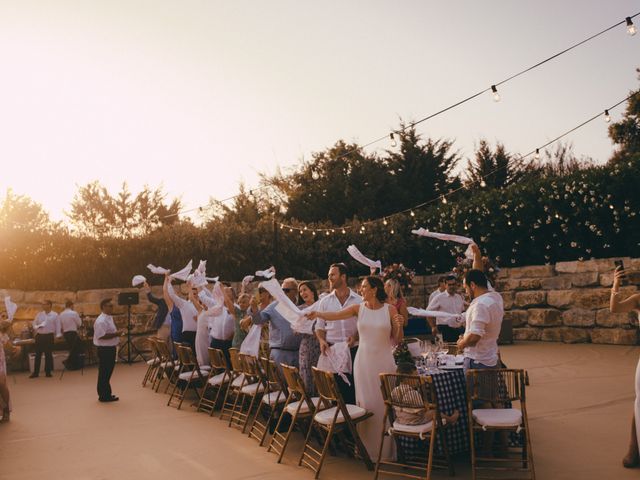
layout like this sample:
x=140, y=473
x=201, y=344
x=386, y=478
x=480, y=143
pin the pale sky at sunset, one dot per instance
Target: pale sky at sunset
x=200, y=95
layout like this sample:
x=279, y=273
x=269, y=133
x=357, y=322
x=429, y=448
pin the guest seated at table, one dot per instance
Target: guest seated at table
x=405, y=392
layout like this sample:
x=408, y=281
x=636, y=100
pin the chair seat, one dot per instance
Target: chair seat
x=498, y=417
x=219, y=379
x=325, y=417
x=420, y=428
x=293, y=406
x=205, y=368
x=193, y=375
x=252, y=389
x=166, y=364
x=153, y=362
x=274, y=398
x=238, y=381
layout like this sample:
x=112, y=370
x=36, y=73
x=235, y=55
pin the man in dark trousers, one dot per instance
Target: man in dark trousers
x=106, y=338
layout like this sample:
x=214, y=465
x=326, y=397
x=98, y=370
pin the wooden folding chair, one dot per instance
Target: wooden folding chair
x=274, y=395
x=235, y=384
x=332, y=416
x=253, y=385
x=417, y=395
x=168, y=367
x=216, y=382
x=153, y=363
x=298, y=406
x=497, y=390
x=189, y=376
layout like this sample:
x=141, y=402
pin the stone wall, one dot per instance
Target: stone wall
x=566, y=302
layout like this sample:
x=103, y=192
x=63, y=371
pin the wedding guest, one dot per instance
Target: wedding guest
x=46, y=325
x=345, y=330
x=629, y=304
x=449, y=301
x=70, y=321
x=223, y=326
x=106, y=338
x=284, y=344
x=188, y=312
x=309, y=344
x=396, y=298
x=4, y=387
x=442, y=286
x=240, y=313
x=162, y=320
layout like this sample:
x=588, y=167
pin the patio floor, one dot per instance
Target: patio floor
x=580, y=404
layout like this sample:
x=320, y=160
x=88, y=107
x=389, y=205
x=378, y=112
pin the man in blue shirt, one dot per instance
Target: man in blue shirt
x=283, y=342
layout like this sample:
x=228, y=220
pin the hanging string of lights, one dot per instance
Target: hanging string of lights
x=535, y=153
x=631, y=30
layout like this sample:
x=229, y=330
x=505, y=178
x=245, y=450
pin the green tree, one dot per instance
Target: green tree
x=19, y=212
x=98, y=214
x=625, y=134
x=493, y=168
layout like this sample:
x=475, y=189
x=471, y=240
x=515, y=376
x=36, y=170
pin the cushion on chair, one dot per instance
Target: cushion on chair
x=153, y=361
x=498, y=417
x=274, y=398
x=238, y=380
x=219, y=379
x=291, y=408
x=189, y=375
x=325, y=417
x=252, y=389
x=420, y=428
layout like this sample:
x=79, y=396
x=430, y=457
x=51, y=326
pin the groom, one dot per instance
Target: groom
x=328, y=333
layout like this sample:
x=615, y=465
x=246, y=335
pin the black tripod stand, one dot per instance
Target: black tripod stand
x=128, y=299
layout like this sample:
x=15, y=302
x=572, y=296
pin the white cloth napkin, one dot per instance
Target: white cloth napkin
x=11, y=309
x=285, y=307
x=202, y=267
x=447, y=237
x=337, y=360
x=138, y=280
x=247, y=280
x=268, y=273
x=357, y=255
x=251, y=343
x=180, y=274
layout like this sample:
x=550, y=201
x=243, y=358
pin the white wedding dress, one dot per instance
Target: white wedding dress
x=375, y=356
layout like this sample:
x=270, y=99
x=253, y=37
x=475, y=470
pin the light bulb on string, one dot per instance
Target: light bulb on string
x=328, y=233
x=607, y=117
x=392, y=231
x=344, y=231
x=301, y=232
x=536, y=155
x=291, y=230
x=631, y=28
x=314, y=233
x=392, y=137
x=444, y=199
x=281, y=226
x=412, y=213
x=384, y=222
x=483, y=183
x=496, y=95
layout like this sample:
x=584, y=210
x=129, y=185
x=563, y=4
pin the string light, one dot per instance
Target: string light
x=412, y=213
x=536, y=156
x=496, y=95
x=483, y=183
x=392, y=137
x=631, y=28
x=392, y=231
x=384, y=222
x=444, y=199
x=607, y=117
x=328, y=233
x=344, y=231
x=314, y=233
x=291, y=230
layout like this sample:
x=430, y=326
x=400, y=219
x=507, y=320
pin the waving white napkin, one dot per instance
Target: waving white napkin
x=247, y=280
x=285, y=307
x=202, y=267
x=419, y=312
x=357, y=255
x=268, y=273
x=302, y=323
x=138, y=280
x=157, y=270
x=447, y=237
x=198, y=279
x=337, y=360
x=11, y=309
x=180, y=274
x=251, y=343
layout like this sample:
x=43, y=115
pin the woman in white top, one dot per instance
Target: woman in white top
x=632, y=458
x=379, y=328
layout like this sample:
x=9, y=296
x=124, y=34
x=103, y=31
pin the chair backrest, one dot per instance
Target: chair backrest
x=408, y=391
x=496, y=385
x=153, y=344
x=234, y=356
x=186, y=356
x=217, y=360
x=294, y=381
x=452, y=348
x=250, y=368
x=327, y=389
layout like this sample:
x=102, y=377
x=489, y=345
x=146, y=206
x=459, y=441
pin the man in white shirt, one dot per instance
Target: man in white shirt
x=449, y=301
x=106, y=338
x=70, y=321
x=45, y=326
x=329, y=333
x=442, y=286
x=483, y=323
x=187, y=309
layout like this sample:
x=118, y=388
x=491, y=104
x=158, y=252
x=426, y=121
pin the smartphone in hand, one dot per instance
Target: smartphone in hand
x=620, y=266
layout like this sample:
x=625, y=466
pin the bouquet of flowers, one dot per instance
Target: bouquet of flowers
x=402, y=274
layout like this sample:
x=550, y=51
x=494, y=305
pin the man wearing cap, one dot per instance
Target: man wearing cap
x=106, y=338
x=45, y=325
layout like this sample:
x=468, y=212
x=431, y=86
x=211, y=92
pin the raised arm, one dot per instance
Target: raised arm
x=351, y=311
x=165, y=292
x=228, y=302
x=621, y=306
x=477, y=257
x=397, y=322
x=171, y=293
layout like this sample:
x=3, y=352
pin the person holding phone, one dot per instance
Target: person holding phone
x=618, y=305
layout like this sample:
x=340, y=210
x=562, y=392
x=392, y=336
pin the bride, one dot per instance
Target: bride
x=632, y=458
x=379, y=328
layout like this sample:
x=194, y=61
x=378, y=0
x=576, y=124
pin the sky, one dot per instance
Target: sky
x=197, y=96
